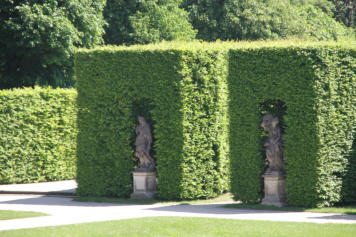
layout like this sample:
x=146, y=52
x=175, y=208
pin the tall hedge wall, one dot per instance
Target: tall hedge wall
x=37, y=135
x=317, y=84
x=181, y=92
x=204, y=103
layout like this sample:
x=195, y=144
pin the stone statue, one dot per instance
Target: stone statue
x=143, y=144
x=274, y=145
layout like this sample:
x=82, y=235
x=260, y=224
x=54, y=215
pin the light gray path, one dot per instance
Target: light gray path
x=62, y=187
x=65, y=211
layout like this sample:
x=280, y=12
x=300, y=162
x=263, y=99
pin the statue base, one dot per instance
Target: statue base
x=144, y=184
x=275, y=186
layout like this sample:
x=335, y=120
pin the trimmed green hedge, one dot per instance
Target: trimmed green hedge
x=37, y=135
x=204, y=103
x=181, y=92
x=317, y=84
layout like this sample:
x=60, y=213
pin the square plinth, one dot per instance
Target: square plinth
x=144, y=185
x=275, y=194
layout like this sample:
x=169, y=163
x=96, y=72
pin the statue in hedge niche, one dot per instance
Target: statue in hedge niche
x=274, y=145
x=143, y=145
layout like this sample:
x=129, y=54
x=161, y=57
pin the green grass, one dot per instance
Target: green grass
x=192, y=227
x=227, y=197
x=351, y=210
x=7, y=214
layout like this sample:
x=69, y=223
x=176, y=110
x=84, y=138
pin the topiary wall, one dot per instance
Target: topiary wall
x=37, y=135
x=205, y=104
x=182, y=93
x=317, y=84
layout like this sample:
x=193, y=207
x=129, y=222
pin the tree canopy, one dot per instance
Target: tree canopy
x=264, y=19
x=147, y=21
x=345, y=11
x=161, y=22
x=37, y=39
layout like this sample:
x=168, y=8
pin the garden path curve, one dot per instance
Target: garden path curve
x=63, y=210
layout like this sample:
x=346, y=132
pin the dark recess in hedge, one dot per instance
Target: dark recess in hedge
x=349, y=180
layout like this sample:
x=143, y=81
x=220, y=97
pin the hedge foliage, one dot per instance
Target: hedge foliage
x=317, y=84
x=179, y=92
x=205, y=104
x=37, y=135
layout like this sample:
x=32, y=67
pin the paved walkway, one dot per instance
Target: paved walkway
x=62, y=188
x=63, y=210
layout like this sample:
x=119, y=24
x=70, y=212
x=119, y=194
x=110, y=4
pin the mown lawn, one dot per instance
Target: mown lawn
x=188, y=227
x=7, y=214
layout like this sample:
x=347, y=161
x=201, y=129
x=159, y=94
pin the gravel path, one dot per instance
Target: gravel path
x=63, y=210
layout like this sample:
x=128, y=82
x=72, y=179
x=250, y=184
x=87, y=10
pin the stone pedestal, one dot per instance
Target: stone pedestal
x=275, y=186
x=145, y=185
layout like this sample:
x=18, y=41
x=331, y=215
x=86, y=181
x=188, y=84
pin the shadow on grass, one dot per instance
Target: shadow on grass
x=226, y=198
x=264, y=207
x=270, y=213
x=213, y=209
x=51, y=200
x=349, y=210
x=116, y=200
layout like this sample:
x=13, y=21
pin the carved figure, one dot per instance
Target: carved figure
x=143, y=144
x=274, y=145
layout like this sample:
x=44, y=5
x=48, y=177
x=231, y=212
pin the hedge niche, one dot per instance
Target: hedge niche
x=349, y=181
x=37, y=135
x=317, y=84
x=180, y=90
